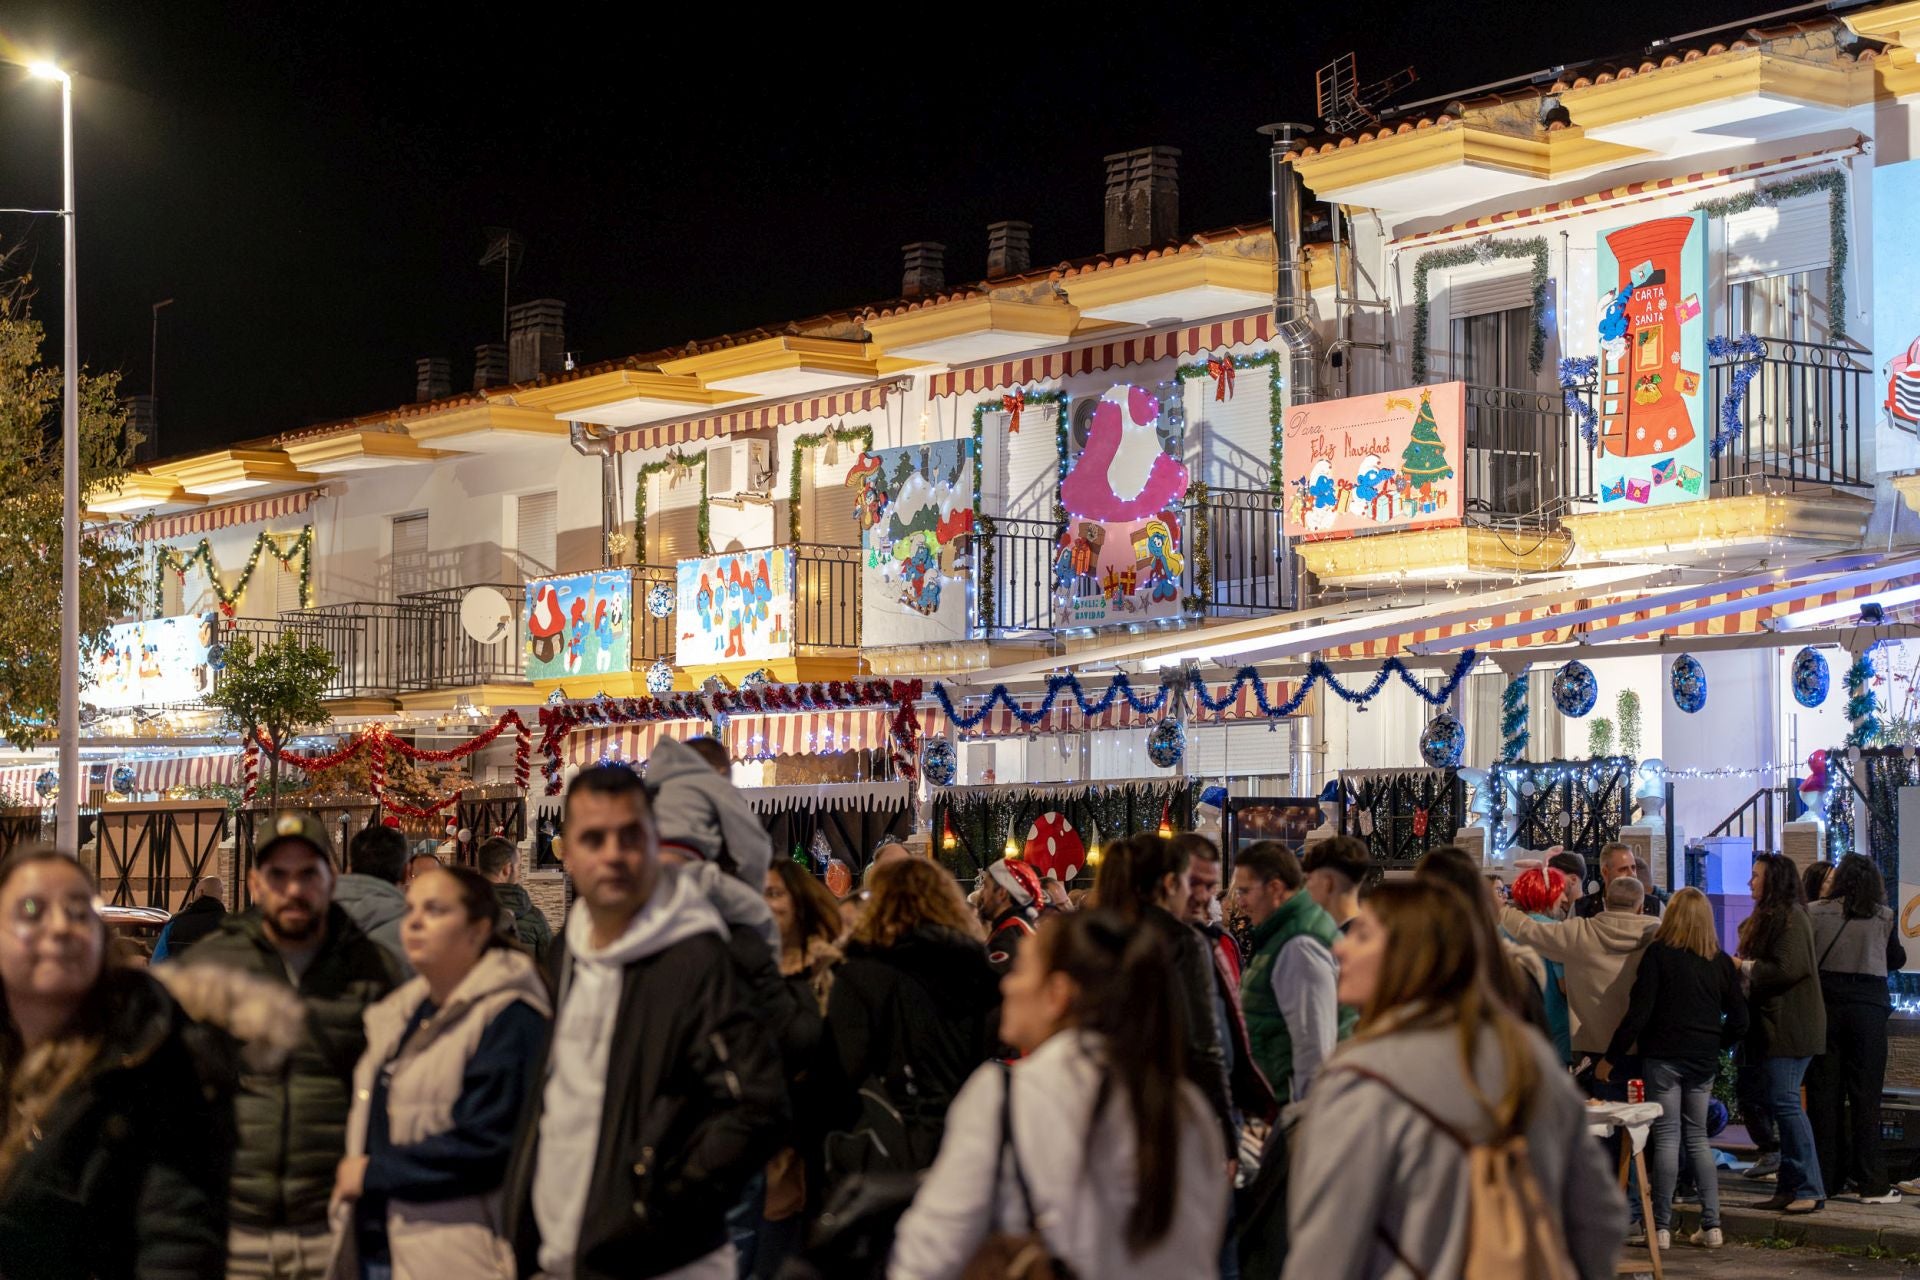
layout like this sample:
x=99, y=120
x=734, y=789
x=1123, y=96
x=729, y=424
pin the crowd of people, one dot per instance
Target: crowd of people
x=717, y=1069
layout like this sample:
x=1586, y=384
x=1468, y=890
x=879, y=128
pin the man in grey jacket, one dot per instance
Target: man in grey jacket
x=700, y=813
x=370, y=891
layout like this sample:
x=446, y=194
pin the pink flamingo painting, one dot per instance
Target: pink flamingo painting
x=1122, y=473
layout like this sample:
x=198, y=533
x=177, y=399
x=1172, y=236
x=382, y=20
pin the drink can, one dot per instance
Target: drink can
x=1636, y=1091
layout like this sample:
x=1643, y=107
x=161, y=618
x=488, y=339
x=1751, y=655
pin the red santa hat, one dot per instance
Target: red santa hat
x=1021, y=882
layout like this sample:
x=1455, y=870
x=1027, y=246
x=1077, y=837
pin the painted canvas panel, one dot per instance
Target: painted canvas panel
x=1120, y=559
x=579, y=624
x=1896, y=294
x=1653, y=358
x=156, y=663
x=735, y=608
x=915, y=508
x=1375, y=462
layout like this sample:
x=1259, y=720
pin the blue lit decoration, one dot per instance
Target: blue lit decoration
x=217, y=656
x=46, y=783
x=1513, y=719
x=1811, y=679
x=759, y=678
x=1167, y=743
x=1748, y=350
x=1318, y=672
x=1580, y=804
x=1577, y=372
x=123, y=779
x=1443, y=741
x=555, y=698
x=1862, y=703
x=1575, y=690
x=1689, y=682
x=660, y=600
x=939, y=762
x=660, y=677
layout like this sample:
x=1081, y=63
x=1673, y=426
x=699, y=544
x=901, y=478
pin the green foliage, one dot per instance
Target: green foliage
x=1599, y=737
x=1627, y=712
x=273, y=691
x=30, y=502
x=1533, y=249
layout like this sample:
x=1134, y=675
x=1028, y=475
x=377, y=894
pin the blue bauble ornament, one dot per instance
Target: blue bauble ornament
x=1811, y=679
x=1443, y=741
x=939, y=762
x=46, y=783
x=555, y=698
x=660, y=678
x=217, y=656
x=1575, y=690
x=123, y=779
x=1689, y=683
x=757, y=679
x=1166, y=744
x=660, y=600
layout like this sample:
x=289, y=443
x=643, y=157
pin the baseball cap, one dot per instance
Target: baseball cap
x=294, y=827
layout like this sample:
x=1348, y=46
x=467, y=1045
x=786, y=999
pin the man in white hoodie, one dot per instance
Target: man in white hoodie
x=660, y=1096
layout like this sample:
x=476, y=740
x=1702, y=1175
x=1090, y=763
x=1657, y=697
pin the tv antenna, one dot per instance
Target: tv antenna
x=1344, y=104
x=506, y=248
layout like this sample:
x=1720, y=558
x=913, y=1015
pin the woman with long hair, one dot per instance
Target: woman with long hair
x=1143, y=880
x=1379, y=1182
x=1516, y=972
x=1686, y=1007
x=910, y=1016
x=1093, y=1141
x=437, y=1096
x=1788, y=1023
x=1855, y=944
x=114, y=1159
x=808, y=917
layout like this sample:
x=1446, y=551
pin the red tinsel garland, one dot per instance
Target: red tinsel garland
x=381, y=739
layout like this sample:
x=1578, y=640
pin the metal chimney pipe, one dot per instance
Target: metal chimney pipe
x=1290, y=309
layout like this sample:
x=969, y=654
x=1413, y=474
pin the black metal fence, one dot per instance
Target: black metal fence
x=1525, y=460
x=652, y=636
x=457, y=658
x=1239, y=569
x=1804, y=418
x=1014, y=587
x=826, y=597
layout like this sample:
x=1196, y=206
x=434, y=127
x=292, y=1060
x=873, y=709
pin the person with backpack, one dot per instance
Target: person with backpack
x=1444, y=1139
x=1092, y=1153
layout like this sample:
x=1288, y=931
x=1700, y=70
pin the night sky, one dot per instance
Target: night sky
x=309, y=182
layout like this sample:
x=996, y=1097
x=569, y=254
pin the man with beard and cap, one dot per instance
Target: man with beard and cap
x=292, y=1120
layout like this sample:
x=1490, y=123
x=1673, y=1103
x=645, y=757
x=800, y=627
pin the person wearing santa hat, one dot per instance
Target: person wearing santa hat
x=1010, y=899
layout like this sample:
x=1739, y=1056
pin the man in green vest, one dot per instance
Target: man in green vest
x=1287, y=991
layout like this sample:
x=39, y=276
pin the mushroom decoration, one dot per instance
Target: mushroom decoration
x=546, y=624
x=1053, y=847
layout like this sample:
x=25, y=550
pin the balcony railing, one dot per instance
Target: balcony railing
x=1525, y=460
x=1240, y=569
x=826, y=597
x=456, y=658
x=1803, y=422
x=652, y=637
x=1014, y=587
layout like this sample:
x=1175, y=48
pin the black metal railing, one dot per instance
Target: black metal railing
x=1015, y=575
x=378, y=650
x=1525, y=460
x=1234, y=561
x=1760, y=818
x=826, y=597
x=652, y=636
x=458, y=657
x=1804, y=418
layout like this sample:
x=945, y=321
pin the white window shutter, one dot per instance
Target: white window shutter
x=1477, y=293
x=1235, y=436
x=1780, y=239
x=1023, y=477
x=827, y=510
x=673, y=515
x=409, y=568
x=537, y=532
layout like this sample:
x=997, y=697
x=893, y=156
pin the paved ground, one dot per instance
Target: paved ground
x=1844, y=1239
x=1735, y=1262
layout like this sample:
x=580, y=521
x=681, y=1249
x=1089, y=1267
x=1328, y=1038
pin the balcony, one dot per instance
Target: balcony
x=804, y=624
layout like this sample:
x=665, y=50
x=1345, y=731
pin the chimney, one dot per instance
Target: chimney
x=536, y=339
x=1143, y=198
x=926, y=269
x=489, y=365
x=143, y=421
x=1007, y=248
x=432, y=378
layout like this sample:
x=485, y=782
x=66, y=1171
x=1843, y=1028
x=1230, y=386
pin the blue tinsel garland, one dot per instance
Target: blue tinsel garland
x=1513, y=719
x=1747, y=349
x=1122, y=687
x=1862, y=703
x=1576, y=372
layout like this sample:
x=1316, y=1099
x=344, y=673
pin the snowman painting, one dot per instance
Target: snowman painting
x=1123, y=474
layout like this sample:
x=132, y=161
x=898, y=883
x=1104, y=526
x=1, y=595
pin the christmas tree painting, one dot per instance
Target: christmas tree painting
x=1424, y=460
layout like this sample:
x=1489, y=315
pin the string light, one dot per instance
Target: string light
x=166, y=558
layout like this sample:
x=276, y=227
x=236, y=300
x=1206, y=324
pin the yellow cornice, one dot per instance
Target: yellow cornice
x=1897, y=24
x=1401, y=155
x=773, y=355
x=1460, y=551
x=494, y=415
x=137, y=491
x=319, y=453
x=231, y=468
x=965, y=316
x=1732, y=74
x=1129, y=281
x=563, y=398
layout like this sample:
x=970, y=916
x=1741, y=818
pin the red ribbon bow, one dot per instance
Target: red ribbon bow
x=1013, y=404
x=1221, y=371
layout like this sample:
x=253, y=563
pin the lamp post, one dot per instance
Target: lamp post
x=67, y=808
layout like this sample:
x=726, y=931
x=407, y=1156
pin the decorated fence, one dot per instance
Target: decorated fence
x=1577, y=804
x=1058, y=829
x=1401, y=813
x=819, y=824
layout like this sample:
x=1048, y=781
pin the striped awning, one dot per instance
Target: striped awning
x=1104, y=355
x=16, y=785
x=1066, y=717
x=167, y=772
x=226, y=517
x=748, y=737
x=759, y=418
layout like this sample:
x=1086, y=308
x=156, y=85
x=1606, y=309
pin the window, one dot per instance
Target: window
x=827, y=505
x=536, y=533
x=410, y=569
x=1233, y=438
x=1511, y=442
x=283, y=582
x=172, y=603
x=1022, y=470
x=673, y=515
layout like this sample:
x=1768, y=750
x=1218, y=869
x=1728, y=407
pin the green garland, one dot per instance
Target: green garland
x=1062, y=438
x=984, y=530
x=1513, y=720
x=1862, y=702
x=166, y=558
x=1466, y=255
x=1201, y=552
x=1627, y=708
x=1834, y=183
x=1276, y=404
x=834, y=435
x=652, y=469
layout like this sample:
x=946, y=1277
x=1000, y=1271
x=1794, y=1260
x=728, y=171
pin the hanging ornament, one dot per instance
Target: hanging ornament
x=939, y=763
x=217, y=656
x=822, y=849
x=1443, y=741
x=1811, y=679
x=759, y=678
x=839, y=878
x=123, y=779
x=1689, y=680
x=47, y=783
x=1053, y=847
x=660, y=600
x=660, y=677
x=947, y=839
x=1167, y=743
x=1575, y=690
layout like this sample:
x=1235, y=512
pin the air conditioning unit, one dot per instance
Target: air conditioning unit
x=739, y=467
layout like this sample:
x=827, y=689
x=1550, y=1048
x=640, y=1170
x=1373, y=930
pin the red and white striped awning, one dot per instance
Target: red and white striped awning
x=1067, y=718
x=16, y=784
x=225, y=517
x=747, y=737
x=811, y=409
x=1104, y=355
x=167, y=772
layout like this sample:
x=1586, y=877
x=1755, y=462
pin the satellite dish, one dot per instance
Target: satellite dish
x=486, y=616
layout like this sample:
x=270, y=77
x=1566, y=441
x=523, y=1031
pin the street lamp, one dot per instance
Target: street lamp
x=67, y=806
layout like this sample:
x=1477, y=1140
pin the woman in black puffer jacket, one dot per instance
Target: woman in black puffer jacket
x=114, y=1158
